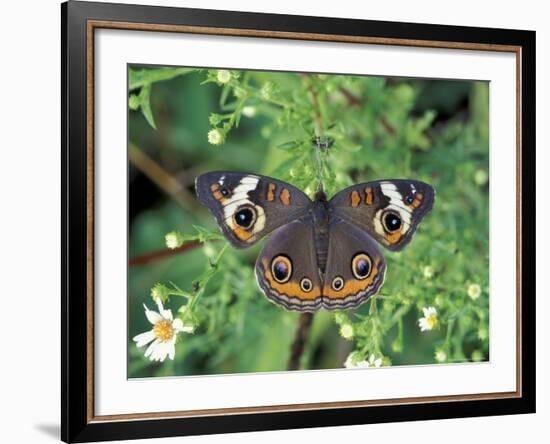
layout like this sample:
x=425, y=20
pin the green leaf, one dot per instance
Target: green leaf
x=287, y=146
x=284, y=167
x=225, y=93
x=134, y=102
x=141, y=77
x=349, y=146
x=145, y=101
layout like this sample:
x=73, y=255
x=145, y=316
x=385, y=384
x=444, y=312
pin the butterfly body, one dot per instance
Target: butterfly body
x=320, y=214
x=322, y=253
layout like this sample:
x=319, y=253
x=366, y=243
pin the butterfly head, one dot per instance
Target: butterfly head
x=320, y=195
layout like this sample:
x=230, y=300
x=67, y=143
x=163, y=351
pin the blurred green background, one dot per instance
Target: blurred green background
x=263, y=122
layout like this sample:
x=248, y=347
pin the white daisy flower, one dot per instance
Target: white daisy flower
x=429, y=321
x=474, y=291
x=162, y=337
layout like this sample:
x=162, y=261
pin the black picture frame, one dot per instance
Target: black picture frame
x=77, y=424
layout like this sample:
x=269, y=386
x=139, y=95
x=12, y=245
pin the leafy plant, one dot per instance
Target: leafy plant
x=265, y=122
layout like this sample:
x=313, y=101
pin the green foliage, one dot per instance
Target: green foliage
x=144, y=79
x=264, y=122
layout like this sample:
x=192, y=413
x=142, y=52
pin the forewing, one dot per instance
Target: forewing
x=390, y=210
x=249, y=206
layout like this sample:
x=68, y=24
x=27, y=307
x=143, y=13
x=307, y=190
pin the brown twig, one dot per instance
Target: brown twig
x=159, y=254
x=300, y=339
x=356, y=101
x=160, y=177
x=351, y=99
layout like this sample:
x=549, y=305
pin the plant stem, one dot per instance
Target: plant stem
x=318, y=123
x=207, y=275
x=317, y=118
x=300, y=339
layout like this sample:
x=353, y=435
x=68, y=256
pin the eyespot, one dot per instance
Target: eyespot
x=281, y=268
x=391, y=221
x=245, y=216
x=306, y=285
x=225, y=192
x=409, y=199
x=361, y=266
x=337, y=283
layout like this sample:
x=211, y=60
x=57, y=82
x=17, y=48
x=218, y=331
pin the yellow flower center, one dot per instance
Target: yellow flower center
x=431, y=320
x=163, y=330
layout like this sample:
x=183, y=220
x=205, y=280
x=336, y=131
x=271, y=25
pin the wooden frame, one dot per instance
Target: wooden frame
x=79, y=21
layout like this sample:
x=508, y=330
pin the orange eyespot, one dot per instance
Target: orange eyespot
x=281, y=269
x=306, y=285
x=337, y=283
x=361, y=266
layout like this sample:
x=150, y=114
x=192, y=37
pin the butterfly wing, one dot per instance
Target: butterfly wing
x=287, y=270
x=355, y=267
x=249, y=206
x=390, y=210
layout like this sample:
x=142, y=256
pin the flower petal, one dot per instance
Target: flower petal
x=164, y=351
x=423, y=324
x=152, y=347
x=165, y=313
x=144, y=338
x=348, y=362
x=177, y=324
x=152, y=316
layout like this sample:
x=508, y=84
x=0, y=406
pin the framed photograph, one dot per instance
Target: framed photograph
x=276, y=221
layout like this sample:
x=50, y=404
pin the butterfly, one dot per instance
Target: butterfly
x=322, y=253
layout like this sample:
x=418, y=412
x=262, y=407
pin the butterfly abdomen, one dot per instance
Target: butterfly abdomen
x=321, y=233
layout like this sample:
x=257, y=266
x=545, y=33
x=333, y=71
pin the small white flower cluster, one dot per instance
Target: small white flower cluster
x=474, y=291
x=249, y=111
x=440, y=355
x=215, y=137
x=162, y=336
x=346, y=331
x=428, y=272
x=352, y=362
x=223, y=76
x=173, y=240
